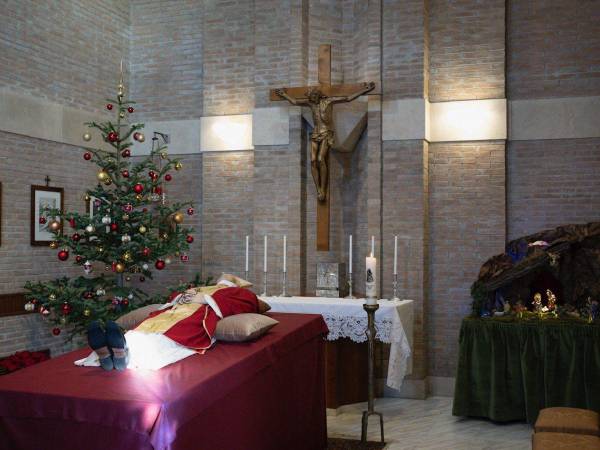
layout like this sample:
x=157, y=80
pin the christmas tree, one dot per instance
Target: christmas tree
x=132, y=230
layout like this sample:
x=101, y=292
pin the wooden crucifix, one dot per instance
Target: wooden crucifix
x=321, y=99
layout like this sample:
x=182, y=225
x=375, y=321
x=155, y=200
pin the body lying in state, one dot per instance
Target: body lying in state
x=183, y=326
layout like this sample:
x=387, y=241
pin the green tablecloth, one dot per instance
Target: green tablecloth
x=509, y=370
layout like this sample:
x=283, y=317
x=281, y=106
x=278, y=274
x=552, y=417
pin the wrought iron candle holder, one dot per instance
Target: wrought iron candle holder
x=371, y=332
x=350, y=286
x=284, y=291
x=395, y=286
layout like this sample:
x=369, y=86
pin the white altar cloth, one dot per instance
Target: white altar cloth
x=346, y=318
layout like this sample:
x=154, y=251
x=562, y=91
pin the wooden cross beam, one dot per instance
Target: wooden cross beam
x=325, y=86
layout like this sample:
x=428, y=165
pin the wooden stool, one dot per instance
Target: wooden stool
x=568, y=420
x=563, y=441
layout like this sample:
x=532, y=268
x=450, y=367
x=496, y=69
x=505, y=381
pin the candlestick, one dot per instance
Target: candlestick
x=350, y=286
x=371, y=280
x=284, y=253
x=264, y=294
x=247, y=251
x=371, y=332
x=395, y=255
x=395, y=297
x=284, y=290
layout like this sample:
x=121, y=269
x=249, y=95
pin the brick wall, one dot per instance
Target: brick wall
x=67, y=52
x=166, y=58
x=466, y=49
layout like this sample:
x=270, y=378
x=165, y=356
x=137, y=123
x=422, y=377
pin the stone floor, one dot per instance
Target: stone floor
x=429, y=424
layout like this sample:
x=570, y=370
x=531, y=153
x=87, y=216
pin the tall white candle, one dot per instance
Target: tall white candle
x=265, y=256
x=371, y=280
x=372, y=245
x=247, y=251
x=350, y=256
x=395, y=255
x=284, y=253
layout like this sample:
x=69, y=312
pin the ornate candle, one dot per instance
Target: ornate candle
x=371, y=280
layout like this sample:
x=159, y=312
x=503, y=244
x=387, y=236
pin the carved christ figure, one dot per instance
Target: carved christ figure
x=321, y=138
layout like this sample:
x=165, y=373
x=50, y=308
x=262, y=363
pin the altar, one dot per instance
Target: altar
x=346, y=352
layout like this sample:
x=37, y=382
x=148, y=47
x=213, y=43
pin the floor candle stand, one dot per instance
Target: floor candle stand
x=370, y=332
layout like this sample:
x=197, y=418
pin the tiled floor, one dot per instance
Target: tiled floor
x=429, y=424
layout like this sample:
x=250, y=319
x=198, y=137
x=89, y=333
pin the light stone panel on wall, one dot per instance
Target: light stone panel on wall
x=554, y=118
x=226, y=133
x=184, y=137
x=405, y=119
x=271, y=126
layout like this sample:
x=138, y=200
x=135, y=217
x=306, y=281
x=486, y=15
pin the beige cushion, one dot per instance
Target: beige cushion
x=134, y=318
x=243, y=327
x=240, y=282
x=568, y=420
x=564, y=441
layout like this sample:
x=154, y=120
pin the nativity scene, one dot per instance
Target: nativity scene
x=311, y=225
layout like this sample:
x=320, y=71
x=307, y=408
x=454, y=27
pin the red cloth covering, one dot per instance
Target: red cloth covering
x=268, y=394
x=196, y=330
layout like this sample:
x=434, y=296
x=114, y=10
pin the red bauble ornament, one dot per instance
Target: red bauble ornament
x=159, y=264
x=152, y=174
x=76, y=237
x=87, y=156
x=138, y=188
x=146, y=252
x=43, y=220
x=126, y=153
x=56, y=331
x=113, y=137
x=63, y=255
x=78, y=258
x=184, y=258
x=114, y=227
x=190, y=211
x=125, y=302
x=136, y=135
x=145, y=210
x=66, y=308
x=109, y=106
x=125, y=173
x=189, y=238
x=130, y=109
x=72, y=222
x=113, y=266
x=88, y=295
x=158, y=190
x=168, y=177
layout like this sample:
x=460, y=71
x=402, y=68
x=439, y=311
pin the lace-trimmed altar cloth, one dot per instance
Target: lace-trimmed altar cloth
x=346, y=318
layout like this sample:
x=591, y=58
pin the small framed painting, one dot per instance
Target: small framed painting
x=43, y=197
x=92, y=206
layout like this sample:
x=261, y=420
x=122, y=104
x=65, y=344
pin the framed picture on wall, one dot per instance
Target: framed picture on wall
x=44, y=197
x=92, y=206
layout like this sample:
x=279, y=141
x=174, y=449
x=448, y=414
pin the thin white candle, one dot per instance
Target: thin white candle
x=284, y=253
x=265, y=256
x=395, y=255
x=247, y=251
x=372, y=245
x=350, y=256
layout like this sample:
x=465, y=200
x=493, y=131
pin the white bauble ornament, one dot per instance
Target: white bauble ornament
x=145, y=266
x=125, y=238
x=106, y=220
x=90, y=228
x=87, y=267
x=167, y=260
x=100, y=292
x=29, y=306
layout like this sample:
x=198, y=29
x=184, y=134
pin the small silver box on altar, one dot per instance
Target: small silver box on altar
x=331, y=280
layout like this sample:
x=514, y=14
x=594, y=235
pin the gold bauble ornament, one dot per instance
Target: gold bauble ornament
x=103, y=176
x=164, y=236
x=87, y=137
x=178, y=217
x=107, y=182
x=100, y=249
x=125, y=217
x=178, y=166
x=139, y=197
x=54, y=245
x=120, y=267
x=52, y=297
x=87, y=197
x=141, y=137
x=127, y=256
x=54, y=225
x=163, y=155
x=122, y=115
x=87, y=312
x=142, y=229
